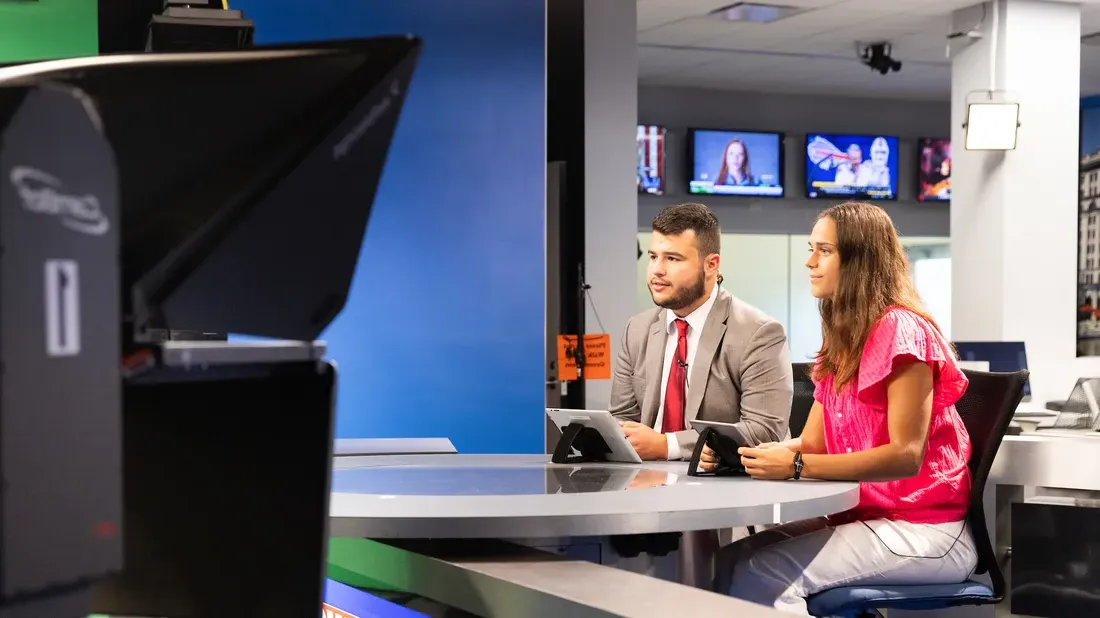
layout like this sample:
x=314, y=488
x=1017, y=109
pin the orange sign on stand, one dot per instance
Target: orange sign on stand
x=597, y=357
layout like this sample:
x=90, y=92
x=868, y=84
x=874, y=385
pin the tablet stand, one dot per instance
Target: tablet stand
x=586, y=440
x=725, y=449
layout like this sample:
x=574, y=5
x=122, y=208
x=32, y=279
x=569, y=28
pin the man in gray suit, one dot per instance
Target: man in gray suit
x=701, y=353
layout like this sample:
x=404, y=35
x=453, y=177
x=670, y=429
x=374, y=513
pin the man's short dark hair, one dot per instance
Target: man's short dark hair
x=696, y=217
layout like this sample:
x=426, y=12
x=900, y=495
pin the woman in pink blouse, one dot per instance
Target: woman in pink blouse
x=886, y=386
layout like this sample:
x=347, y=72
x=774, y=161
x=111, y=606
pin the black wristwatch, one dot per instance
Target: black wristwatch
x=797, y=465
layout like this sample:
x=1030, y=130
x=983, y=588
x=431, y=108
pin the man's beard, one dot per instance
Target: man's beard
x=685, y=296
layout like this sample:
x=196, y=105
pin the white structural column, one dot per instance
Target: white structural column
x=610, y=188
x=1014, y=213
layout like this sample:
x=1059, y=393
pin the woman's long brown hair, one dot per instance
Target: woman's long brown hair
x=874, y=275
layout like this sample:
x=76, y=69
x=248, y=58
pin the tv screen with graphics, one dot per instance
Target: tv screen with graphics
x=651, y=159
x=851, y=166
x=736, y=162
x=934, y=173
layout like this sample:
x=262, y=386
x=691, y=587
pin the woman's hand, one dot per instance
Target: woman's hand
x=771, y=462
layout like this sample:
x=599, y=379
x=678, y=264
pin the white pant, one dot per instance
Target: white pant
x=781, y=566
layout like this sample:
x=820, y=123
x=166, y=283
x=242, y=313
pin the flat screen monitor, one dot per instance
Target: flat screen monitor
x=651, y=159
x=851, y=166
x=1001, y=356
x=934, y=173
x=736, y=163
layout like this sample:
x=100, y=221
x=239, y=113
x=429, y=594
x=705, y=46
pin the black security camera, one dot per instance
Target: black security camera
x=877, y=56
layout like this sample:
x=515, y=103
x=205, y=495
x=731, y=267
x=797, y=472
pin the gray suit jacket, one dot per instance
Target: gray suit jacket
x=741, y=372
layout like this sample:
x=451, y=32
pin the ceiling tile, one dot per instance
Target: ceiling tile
x=688, y=31
x=658, y=61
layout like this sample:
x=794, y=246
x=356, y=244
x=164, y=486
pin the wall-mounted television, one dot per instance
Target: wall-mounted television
x=736, y=162
x=651, y=159
x=851, y=166
x=934, y=172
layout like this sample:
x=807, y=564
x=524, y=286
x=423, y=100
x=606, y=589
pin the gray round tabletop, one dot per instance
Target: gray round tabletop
x=526, y=496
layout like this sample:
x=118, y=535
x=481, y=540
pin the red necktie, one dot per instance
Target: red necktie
x=673, y=419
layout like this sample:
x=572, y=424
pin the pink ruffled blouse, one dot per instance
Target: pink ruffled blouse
x=855, y=420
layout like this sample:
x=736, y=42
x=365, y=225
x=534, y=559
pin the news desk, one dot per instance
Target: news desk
x=471, y=524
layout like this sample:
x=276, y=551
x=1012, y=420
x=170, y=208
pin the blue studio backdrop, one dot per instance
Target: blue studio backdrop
x=443, y=333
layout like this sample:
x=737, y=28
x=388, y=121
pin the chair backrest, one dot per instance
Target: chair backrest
x=986, y=409
x=803, y=397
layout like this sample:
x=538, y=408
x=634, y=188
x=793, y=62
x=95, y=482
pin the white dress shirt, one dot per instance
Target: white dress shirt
x=695, y=321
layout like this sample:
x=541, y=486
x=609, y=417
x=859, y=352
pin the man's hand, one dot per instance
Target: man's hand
x=649, y=444
x=707, y=460
x=774, y=462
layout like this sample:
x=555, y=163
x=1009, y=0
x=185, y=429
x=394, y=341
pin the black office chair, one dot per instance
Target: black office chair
x=803, y=397
x=986, y=409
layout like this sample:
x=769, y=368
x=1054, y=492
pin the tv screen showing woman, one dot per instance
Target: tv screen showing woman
x=737, y=163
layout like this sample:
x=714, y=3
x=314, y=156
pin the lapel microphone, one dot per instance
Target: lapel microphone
x=681, y=363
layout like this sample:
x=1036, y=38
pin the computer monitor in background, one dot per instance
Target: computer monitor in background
x=934, y=170
x=191, y=192
x=728, y=162
x=651, y=159
x=1001, y=356
x=851, y=166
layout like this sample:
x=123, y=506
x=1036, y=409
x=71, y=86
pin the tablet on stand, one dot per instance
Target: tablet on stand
x=590, y=435
x=724, y=439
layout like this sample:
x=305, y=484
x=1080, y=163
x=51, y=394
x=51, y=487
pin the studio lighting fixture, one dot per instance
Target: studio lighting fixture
x=992, y=116
x=877, y=56
x=187, y=25
x=991, y=125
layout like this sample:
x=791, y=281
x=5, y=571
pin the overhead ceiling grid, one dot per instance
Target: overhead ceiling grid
x=812, y=46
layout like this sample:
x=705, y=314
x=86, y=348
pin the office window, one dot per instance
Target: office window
x=932, y=276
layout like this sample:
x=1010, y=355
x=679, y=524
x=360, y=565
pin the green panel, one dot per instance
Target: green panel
x=349, y=577
x=352, y=561
x=46, y=29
